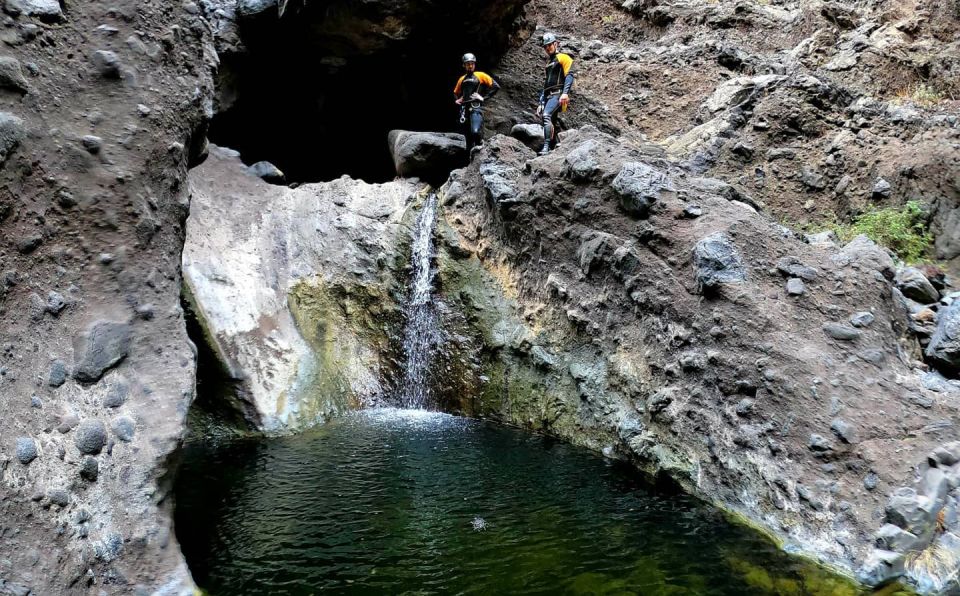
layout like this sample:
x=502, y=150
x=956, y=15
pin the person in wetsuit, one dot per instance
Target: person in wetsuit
x=556, y=90
x=470, y=98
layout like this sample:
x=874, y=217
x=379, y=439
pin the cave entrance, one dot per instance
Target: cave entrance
x=316, y=92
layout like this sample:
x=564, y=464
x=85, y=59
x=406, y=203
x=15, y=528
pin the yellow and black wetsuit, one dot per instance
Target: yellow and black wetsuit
x=557, y=81
x=471, y=111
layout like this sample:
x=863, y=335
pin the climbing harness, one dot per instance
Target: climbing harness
x=473, y=105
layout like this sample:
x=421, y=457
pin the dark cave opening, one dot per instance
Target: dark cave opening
x=322, y=127
x=316, y=92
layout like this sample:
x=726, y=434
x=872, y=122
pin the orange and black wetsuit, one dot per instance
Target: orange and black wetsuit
x=558, y=80
x=471, y=111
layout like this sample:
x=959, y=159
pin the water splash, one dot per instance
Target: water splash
x=421, y=337
x=421, y=420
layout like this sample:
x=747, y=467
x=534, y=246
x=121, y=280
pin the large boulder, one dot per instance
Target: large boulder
x=11, y=75
x=737, y=91
x=427, y=155
x=915, y=286
x=717, y=262
x=881, y=567
x=47, y=10
x=12, y=132
x=639, y=186
x=268, y=172
x=251, y=8
x=291, y=287
x=530, y=135
x=944, y=347
x=862, y=252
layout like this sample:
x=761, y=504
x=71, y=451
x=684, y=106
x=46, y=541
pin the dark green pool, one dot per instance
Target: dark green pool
x=400, y=502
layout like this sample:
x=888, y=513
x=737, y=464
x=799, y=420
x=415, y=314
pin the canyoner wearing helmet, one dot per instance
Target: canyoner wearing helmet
x=471, y=90
x=555, y=97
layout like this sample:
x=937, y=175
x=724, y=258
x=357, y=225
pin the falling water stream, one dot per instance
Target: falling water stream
x=422, y=334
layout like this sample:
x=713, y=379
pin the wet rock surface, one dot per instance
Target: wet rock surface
x=293, y=287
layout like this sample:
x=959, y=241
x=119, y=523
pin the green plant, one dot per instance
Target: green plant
x=922, y=94
x=904, y=230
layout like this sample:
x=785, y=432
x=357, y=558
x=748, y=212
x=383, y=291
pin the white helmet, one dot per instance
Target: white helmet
x=548, y=38
x=468, y=57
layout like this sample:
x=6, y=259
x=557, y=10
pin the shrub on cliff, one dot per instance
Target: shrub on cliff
x=904, y=230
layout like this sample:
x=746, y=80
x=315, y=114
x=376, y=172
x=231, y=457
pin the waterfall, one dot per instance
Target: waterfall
x=421, y=337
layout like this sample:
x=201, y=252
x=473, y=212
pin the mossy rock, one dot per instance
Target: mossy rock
x=348, y=327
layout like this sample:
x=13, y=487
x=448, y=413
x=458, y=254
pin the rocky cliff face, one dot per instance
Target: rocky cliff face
x=100, y=109
x=104, y=108
x=818, y=111
x=658, y=317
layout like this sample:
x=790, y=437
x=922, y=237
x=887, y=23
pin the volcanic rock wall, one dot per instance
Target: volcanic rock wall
x=102, y=111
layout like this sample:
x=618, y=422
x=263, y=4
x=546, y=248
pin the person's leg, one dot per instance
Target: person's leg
x=476, y=127
x=556, y=130
x=552, y=105
x=465, y=128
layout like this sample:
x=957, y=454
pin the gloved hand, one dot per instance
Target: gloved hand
x=564, y=100
x=540, y=111
x=459, y=101
x=476, y=97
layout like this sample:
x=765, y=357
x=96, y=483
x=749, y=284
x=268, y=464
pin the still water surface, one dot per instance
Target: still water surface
x=410, y=502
